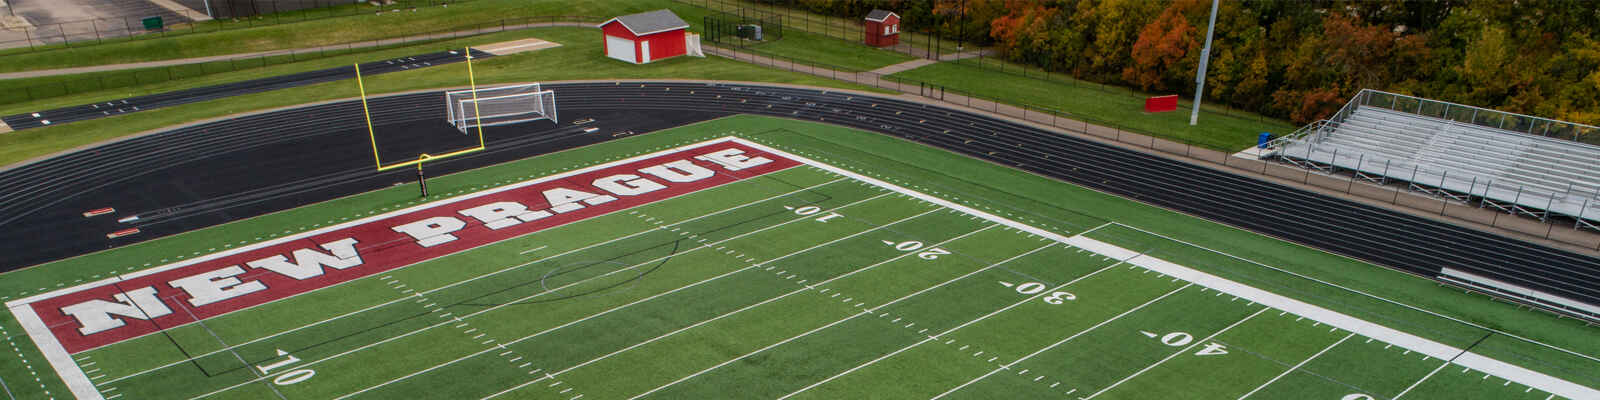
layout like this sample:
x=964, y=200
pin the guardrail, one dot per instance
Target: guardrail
x=1509, y=121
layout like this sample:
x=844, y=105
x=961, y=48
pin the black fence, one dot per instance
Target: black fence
x=131, y=78
x=749, y=27
x=243, y=14
x=930, y=45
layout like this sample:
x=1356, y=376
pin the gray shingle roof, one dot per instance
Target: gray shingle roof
x=646, y=23
x=880, y=15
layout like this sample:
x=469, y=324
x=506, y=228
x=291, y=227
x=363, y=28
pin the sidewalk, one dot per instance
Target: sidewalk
x=269, y=53
x=921, y=62
x=1387, y=197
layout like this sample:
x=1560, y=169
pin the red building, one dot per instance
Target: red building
x=644, y=37
x=881, y=29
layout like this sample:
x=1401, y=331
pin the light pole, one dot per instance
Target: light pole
x=1200, y=75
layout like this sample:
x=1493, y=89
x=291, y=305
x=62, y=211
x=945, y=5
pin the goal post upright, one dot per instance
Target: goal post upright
x=472, y=81
x=366, y=113
x=424, y=157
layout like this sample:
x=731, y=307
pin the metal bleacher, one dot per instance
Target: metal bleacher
x=1468, y=154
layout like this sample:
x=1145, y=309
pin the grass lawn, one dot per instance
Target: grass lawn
x=579, y=57
x=848, y=303
x=1110, y=107
x=339, y=30
x=829, y=52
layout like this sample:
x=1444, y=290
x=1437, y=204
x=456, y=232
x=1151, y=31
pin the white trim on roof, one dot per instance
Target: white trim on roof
x=636, y=33
x=885, y=18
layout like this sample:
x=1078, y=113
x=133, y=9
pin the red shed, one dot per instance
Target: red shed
x=882, y=28
x=644, y=37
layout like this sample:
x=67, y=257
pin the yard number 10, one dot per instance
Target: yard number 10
x=288, y=378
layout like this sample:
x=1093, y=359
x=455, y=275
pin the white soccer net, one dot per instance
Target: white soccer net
x=499, y=106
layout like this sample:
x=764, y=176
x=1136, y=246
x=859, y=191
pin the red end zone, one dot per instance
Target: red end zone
x=107, y=312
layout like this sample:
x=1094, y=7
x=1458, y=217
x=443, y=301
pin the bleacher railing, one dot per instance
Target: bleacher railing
x=1509, y=121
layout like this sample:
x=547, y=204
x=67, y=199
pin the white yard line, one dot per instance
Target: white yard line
x=1297, y=366
x=1185, y=350
x=808, y=249
x=1058, y=343
x=470, y=280
x=1358, y=326
x=868, y=311
x=957, y=327
x=801, y=289
x=1424, y=379
x=703, y=246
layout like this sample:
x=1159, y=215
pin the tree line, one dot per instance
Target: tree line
x=1294, y=59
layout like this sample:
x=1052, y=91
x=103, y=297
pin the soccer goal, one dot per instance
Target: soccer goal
x=499, y=106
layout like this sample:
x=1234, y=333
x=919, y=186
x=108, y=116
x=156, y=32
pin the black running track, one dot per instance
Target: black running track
x=212, y=173
x=149, y=102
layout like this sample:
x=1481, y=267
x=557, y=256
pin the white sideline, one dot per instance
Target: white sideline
x=83, y=388
x=1520, y=375
x=458, y=283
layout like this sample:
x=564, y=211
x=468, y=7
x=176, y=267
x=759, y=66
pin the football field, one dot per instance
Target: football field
x=734, y=267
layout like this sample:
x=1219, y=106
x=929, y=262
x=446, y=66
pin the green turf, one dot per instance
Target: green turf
x=726, y=290
x=1111, y=107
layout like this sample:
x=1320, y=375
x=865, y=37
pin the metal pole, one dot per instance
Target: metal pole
x=1200, y=75
x=208, y=9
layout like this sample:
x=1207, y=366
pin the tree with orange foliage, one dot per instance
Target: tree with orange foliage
x=1164, y=47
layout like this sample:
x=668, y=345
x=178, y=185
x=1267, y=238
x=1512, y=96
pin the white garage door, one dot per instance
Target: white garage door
x=619, y=48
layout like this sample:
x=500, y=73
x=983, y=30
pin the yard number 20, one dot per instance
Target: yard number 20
x=931, y=253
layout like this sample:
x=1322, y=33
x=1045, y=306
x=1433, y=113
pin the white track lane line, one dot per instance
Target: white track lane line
x=453, y=320
x=1058, y=343
x=785, y=256
x=868, y=311
x=1185, y=350
x=1297, y=366
x=503, y=270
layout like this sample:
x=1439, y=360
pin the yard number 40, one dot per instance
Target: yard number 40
x=288, y=378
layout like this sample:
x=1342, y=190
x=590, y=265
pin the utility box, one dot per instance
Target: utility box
x=153, y=23
x=881, y=29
